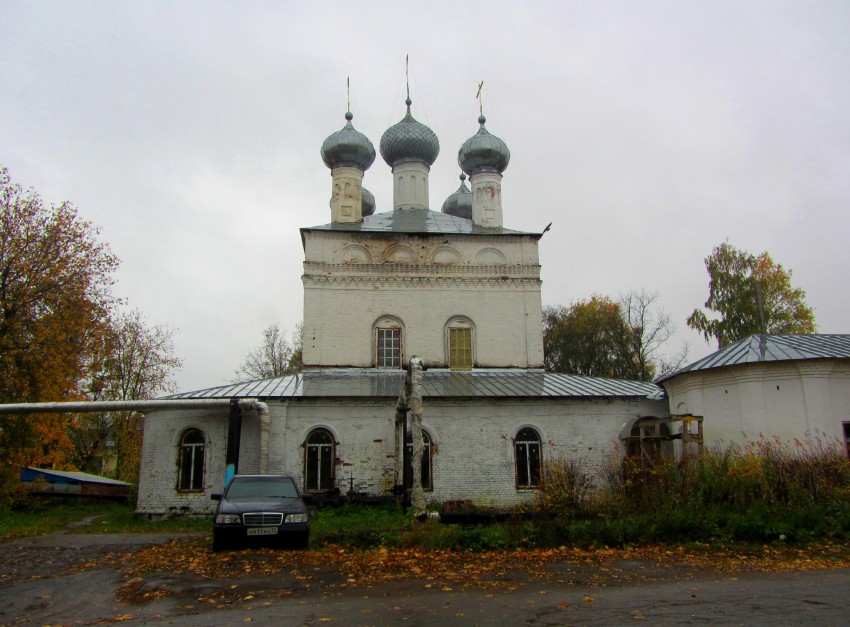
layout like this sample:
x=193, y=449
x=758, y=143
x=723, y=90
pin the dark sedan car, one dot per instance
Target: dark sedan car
x=257, y=508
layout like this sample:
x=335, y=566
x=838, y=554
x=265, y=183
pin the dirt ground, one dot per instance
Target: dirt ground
x=84, y=579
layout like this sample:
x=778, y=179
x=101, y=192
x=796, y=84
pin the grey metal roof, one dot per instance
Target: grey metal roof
x=763, y=348
x=415, y=221
x=372, y=382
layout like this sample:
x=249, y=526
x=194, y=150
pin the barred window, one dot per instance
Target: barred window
x=527, y=458
x=191, y=463
x=388, y=347
x=319, y=461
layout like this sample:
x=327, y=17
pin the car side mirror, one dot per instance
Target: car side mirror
x=215, y=497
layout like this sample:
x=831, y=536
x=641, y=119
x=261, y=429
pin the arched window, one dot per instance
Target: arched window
x=527, y=456
x=319, y=461
x=427, y=452
x=460, y=343
x=191, y=462
x=389, y=348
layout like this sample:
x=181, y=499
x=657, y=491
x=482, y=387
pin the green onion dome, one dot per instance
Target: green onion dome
x=367, y=202
x=459, y=204
x=409, y=140
x=348, y=147
x=483, y=152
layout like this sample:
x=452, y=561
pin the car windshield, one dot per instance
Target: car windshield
x=262, y=487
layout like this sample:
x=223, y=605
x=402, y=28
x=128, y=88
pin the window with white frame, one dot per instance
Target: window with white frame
x=389, y=343
x=527, y=459
x=319, y=461
x=190, y=477
x=460, y=340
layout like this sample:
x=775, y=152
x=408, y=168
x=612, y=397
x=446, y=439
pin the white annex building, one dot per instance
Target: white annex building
x=462, y=292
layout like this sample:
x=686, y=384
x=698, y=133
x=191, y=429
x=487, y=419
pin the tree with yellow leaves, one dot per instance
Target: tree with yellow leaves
x=750, y=294
x=55, y=279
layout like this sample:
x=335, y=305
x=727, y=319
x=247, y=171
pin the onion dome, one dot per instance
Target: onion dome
x=483, y=152
x=409, y=140
x=348, y=147
x=367, y=202
x=459, y=204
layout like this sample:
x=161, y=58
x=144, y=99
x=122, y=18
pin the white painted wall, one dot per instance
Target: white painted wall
x=787, y=400
x=352, y=280
x=473, y=447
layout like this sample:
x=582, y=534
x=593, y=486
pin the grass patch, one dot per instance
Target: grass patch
x=40, y=519
x=358, y=525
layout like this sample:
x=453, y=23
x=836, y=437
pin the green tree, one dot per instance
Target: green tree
x=274, y=357
x=589, y=338
x=750, y=294
x=55, y=280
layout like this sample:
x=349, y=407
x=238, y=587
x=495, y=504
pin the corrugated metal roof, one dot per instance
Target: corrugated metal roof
x=763, y=348
x=415, y=221
x=372, y=382
x=81, y=477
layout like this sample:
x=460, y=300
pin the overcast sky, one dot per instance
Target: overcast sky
x=646, y=132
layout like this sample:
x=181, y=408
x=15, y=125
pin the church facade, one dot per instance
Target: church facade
x=454, y=287
x=463, y=293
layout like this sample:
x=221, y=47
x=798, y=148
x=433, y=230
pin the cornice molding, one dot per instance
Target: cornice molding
x=419, y=282
x=316, y=268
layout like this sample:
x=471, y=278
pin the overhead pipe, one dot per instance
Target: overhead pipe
x=181, y=404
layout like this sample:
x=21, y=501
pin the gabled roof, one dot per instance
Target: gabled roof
x=373, y=382
x=763, y=348
x=414, y=221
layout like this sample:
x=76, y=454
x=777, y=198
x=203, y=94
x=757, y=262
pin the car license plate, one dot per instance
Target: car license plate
x=262, y=531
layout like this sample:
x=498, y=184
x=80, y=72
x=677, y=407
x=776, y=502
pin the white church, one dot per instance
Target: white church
x=463, y=292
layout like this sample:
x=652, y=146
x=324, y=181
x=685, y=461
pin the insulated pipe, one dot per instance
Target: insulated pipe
x=180, y=404
x=140, y=406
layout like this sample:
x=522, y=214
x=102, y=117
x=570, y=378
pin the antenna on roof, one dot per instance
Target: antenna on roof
x=480, y=97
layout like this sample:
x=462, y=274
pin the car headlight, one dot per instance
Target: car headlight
x=228, y=519
x=297, y=518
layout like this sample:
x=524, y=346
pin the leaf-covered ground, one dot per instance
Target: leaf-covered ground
x=338, y=567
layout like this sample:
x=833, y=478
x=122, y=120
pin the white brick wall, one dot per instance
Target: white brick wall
x=473, y=450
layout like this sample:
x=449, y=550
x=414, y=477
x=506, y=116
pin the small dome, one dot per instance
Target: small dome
x=367, y=202
x=348, y=147
x=459, y=204
x=483, y=152
x=409, y=140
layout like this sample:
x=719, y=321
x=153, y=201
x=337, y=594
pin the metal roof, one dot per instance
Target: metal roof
x=763, y=348
x=75, y=477
x=416, y=221
x=373, y=382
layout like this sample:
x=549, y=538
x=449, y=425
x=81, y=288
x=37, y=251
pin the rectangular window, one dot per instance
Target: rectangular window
x=192, y=468
x=388, y=347
x=460, y=349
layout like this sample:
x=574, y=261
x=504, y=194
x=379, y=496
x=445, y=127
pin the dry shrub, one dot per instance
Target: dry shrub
x=565, y=486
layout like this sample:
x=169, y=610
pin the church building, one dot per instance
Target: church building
x=455, y=287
